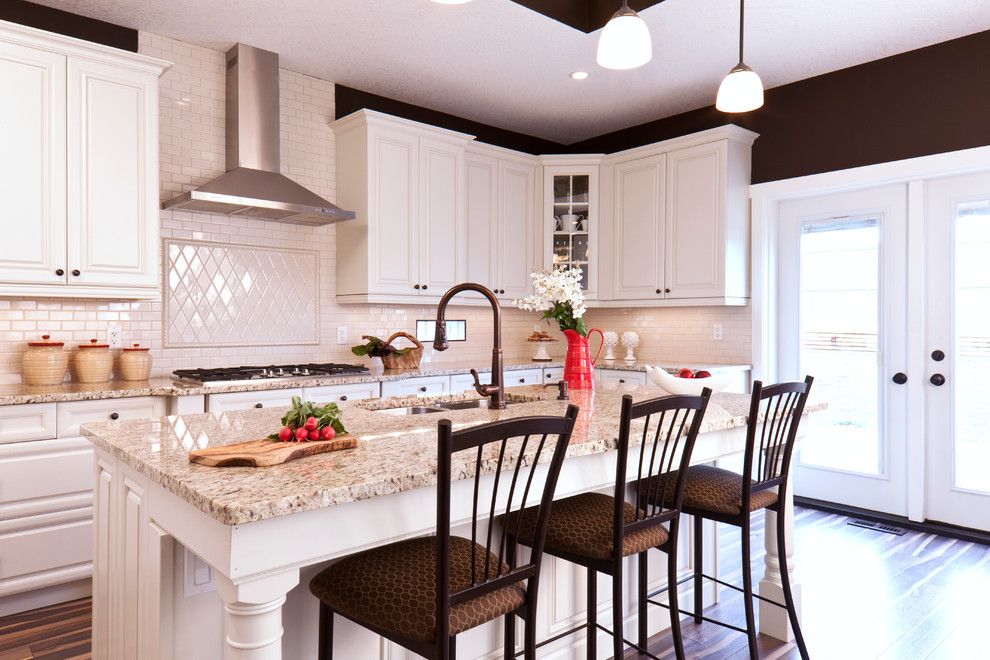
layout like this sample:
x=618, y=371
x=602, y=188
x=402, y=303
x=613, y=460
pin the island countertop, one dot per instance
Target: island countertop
x=394, y=454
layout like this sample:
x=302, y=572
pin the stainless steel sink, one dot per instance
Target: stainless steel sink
x=411, y=410
x=470, y=404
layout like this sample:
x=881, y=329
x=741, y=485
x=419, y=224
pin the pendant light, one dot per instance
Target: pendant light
x=625, y=42
x=742, y=89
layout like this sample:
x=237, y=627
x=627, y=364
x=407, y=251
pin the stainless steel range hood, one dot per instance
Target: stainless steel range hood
x=253, y=185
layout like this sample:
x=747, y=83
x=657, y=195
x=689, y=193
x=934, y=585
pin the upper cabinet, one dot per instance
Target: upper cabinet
x=79, y=173
x=405, y=181
x=570, y=219
x=680, y=221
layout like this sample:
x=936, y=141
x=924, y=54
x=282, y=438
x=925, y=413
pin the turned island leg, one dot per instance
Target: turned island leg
x=773, y=620
x=253, y=612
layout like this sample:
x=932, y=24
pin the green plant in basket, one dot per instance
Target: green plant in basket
x=377, y=348
x=308, y=421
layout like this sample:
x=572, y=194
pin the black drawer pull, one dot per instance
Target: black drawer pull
x=423, y=388
x=343, y=397
x=76, y=273
x=938, y=380
x=622, y=380
x=60, y=272
x=114, y=416
x=522, y=380
x=259, y=405
x=899, y=378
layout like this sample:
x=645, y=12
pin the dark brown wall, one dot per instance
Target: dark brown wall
x=925, y=101
x=71, y=25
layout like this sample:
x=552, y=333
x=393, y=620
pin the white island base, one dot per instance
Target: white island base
x=262, y=608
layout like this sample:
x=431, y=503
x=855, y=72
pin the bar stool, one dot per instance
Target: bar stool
x=587, y=529
x=723, y=496
x=422, y=592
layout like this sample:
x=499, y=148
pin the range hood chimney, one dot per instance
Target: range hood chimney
x=253, y=186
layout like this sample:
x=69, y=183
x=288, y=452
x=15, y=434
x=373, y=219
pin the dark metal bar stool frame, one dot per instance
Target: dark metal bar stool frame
x=656, y=470
x=772, y=453
x=479, y=437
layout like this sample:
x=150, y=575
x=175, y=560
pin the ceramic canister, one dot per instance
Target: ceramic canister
x=93, y=362
x=44, y=362
x=135, y=363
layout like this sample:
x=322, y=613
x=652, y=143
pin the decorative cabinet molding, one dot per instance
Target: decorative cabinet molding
x=82, y=174
x=405, y=181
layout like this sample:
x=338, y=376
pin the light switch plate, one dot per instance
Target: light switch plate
x=115, y=335
x=718, y=332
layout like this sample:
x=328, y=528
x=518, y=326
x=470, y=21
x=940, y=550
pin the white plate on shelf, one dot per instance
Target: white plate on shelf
x=690, y=386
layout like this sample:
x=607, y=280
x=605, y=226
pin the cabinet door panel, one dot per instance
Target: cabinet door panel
x=394, y=235
x=32, y=165
x=112, y=176
x=480, y=225
x=515, y=238
x=695, y=234
x=639, y=250
x=441, y=167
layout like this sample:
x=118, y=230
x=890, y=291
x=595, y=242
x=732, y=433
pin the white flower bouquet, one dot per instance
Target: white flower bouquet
x=558, y=295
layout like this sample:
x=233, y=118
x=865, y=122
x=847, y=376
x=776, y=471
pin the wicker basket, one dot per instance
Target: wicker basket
x=409, y=360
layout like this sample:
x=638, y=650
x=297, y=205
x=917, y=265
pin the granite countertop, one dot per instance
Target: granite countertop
x=118, y=389
x=394, y=454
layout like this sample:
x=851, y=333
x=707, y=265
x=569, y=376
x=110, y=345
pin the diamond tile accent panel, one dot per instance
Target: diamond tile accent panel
x=221, y=294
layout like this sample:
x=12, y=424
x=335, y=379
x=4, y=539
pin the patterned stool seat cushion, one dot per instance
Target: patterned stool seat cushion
x=394, y=588
x=582, y=526
x=713, y=489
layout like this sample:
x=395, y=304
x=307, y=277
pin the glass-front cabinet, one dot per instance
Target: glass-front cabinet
x=570, y=219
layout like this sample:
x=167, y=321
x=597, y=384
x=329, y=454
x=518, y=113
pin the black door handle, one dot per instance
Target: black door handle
x=416, y=286
x=899, y=378
x=938, y=355
x=60, y=272
x=666, y=290
x=76, y=273
x=114, y=416
x=938, y=380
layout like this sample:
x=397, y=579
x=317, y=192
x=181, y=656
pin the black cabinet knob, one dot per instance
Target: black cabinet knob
x=416, y=286
x=343, y=397
x=938, y=380
x=622, y=380
x=425, y=287
x=938, y=355
x=423, y=388
x=59, y=272
x=659, y=291
x=522, y=380
x=114, y=416
x=259, y=405
x=666, y=290
x=899, y=378
x=76, y=273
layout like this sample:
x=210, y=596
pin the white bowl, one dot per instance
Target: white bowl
x=691, y=386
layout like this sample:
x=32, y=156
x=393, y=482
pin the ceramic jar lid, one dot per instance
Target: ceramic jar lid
x=46, y=341
x=137, y=347
x=93, y=343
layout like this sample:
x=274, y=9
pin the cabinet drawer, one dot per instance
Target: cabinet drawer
x=620, y=377
x=45, y=548
x=553, y=374
x=74, y=413
x=523, y=377
x=341, y=393
x=33, y=421
x=30, y=470
x=218, y=403
x=424, y=386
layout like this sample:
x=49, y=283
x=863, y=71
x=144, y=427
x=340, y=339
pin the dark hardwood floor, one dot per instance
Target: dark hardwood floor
x=866, y=595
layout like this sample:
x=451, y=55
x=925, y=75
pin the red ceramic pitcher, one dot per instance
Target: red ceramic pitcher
x=579, y=367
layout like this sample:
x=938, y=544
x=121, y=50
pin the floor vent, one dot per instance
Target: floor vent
x=878, y=527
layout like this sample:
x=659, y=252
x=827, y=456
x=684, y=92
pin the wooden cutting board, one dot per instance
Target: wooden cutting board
x=265, y=453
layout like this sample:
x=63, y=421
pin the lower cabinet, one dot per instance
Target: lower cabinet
x=342, y=393
x=424, y=386
x=517, y=378
x=620, y=377
x=220, y=403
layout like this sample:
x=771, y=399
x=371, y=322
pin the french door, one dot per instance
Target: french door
x=957, y=381
x=843, y=274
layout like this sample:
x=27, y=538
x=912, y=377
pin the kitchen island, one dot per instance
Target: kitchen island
x=265, y=531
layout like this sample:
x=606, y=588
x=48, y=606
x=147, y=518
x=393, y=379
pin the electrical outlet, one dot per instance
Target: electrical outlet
x=198, y=575
x=718, y=334
x=342, y=334
x=115, y=335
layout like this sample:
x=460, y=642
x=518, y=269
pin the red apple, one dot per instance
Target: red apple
x=314, y=434
x=286, y=434
x=685, y=373
x=327, y=433
x=703, y=374
x=311, y=424
x=301, y=434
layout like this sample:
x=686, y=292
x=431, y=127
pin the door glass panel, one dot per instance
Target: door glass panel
x=972, y=350
x=571, y=223
x=840, y=302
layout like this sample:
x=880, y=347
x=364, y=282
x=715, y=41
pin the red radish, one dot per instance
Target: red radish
x=327, y=433
x=286, y=434
x=301, y=434
x=314, y=434
x=703, y=374
x=311, y=424
x=685, y=373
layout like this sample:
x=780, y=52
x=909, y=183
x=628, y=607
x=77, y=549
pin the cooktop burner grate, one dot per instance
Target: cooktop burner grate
x=270, y=372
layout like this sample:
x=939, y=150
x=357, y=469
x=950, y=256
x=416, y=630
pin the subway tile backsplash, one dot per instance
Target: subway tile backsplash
x=192, y=152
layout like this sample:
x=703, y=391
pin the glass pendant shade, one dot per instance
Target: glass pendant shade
x=625, y=42
x=740, y=91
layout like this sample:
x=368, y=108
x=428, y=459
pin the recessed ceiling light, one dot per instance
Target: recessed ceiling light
x=579, y=75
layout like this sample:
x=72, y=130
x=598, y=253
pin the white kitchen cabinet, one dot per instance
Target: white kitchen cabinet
x=465, y=382
x=680, y=221
x=221, y=403
x=422, y=386
x=405, y=182
x=516, y=181
x=521, y=377
x=553, y=375
x=342, y=393
x=33, y=421
x=79, y=170
x=620, y=377
x=570, y=217
x=73, y=413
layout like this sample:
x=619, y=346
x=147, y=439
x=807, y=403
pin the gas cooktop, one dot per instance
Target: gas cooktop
x=233, y=375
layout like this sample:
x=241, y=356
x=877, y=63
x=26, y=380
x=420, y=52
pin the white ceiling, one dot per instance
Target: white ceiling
x=496, y=62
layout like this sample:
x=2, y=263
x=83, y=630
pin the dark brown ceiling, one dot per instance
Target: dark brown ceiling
x=584, y=15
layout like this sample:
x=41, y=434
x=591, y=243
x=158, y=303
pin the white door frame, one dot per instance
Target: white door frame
x=766, y=198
